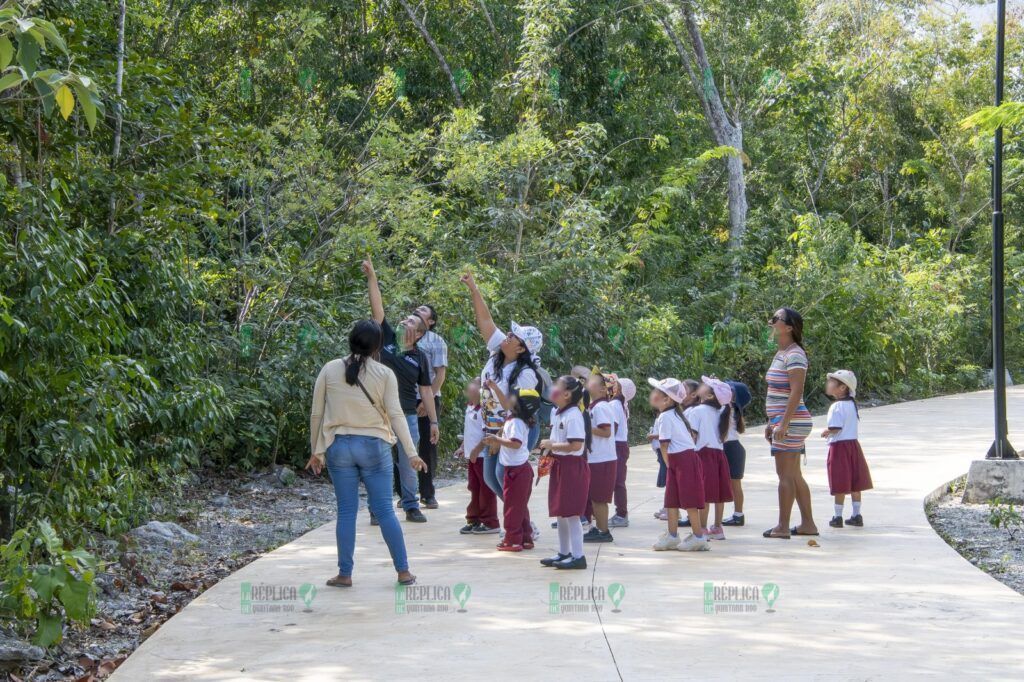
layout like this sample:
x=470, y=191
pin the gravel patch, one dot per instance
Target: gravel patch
x=968, y=529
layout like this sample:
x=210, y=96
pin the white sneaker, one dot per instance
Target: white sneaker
x=666, y=542
x=618, y=522
x=716, y=533
x=693, y=544
x=536, y=531
x=661, y=515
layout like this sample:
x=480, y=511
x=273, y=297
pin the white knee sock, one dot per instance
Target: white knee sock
x=839, y=509
x=563, y=535
x=856, y=508
x=575, y=536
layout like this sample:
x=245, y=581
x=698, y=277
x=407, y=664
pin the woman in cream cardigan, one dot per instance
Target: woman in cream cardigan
x=356, y=418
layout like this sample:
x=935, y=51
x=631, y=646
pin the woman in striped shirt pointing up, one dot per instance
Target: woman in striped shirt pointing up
x=789, y=422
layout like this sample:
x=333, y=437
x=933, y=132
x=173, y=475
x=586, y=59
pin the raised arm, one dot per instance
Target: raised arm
x=376, y=302
x=484, y=322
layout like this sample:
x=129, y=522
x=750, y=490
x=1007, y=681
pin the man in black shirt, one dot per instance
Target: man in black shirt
x=410, y=366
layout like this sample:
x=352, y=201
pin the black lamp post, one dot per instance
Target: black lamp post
x=1001, y=448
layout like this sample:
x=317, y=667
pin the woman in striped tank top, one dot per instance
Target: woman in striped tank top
x=789, y=422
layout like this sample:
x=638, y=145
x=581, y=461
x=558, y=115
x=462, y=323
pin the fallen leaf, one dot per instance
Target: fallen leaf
x=148, y=632
x=812, y=543
x=180, y=586
x=158, y=598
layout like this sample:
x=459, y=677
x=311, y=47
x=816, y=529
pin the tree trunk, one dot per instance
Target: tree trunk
x=118, y=116
x=421, y=27
x=723, y=130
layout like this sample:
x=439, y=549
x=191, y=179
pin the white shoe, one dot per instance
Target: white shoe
x=716, y=533
x=536, y=531
x=661, y=515
x=693, y=544
x=666, y=542
x=618, y=522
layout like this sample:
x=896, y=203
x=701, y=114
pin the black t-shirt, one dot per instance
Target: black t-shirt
x=411, y=368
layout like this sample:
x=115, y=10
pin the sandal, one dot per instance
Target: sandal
x=795, y=530
x=336, y=581
x=411, y=580
x=770, y=533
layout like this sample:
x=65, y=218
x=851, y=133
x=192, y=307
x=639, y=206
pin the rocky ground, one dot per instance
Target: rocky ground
x=969, y=529
x=212, y=526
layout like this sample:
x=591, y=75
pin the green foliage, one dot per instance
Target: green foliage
x=173, y=307
x=1003, y=515
x=42, y=583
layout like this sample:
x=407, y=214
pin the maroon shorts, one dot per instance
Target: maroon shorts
x=847, y=468
x=684, y=484
x=717, y=483
x=602, y=481
x=569, y=488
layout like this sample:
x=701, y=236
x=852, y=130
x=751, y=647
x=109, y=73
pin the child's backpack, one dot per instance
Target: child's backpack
x=546, y=406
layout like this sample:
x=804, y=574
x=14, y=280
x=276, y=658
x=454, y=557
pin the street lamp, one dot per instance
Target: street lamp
x=1001, y=448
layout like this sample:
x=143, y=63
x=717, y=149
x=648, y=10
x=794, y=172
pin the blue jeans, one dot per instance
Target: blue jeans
x=409, y=481
x=351, y=459
x=494, y=470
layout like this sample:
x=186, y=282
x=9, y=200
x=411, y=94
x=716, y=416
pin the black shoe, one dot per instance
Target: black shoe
x=594, y=535
x=468, y=528
x=571, y=563
x=684, y=522
x=554, y=524
x=415, y=515
x=481, y=529
x=374, y=521
x=429, y=503
x=551, y=561
x=857, y=520
x=731, y=521
x=836, y=522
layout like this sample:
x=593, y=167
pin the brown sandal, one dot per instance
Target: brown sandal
x=411, y=580
x=338, y=581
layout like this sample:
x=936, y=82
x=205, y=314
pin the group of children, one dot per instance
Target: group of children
x=695, y=438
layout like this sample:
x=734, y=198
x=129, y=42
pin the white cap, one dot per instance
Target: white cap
x=531, y=337
x=673, y=388
x=845, y=376
x=628, y=389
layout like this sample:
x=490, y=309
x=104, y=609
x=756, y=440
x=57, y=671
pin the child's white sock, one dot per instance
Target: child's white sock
x=856, y=508
x=575, y=536
x=737, y=514
x=563, y=535
x=839, y=509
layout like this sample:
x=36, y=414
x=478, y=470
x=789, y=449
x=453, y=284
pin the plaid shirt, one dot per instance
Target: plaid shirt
x=436, y=350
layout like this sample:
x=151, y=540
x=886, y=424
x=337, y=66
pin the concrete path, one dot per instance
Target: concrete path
x=890, y=600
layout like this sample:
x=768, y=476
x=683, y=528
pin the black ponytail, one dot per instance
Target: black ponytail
x=741, y=423
x=723, y=416
x=856, y=409
x=679, y=411
x=796, y=321
x=577, y=394
x=364, y=342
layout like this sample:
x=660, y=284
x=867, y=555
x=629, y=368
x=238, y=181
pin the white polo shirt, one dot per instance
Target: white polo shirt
x=602, y=449
x=672, y=433
x=567, y=426
x=515, y=429
x=704, y=420
x=472, y=428
x=842, y=415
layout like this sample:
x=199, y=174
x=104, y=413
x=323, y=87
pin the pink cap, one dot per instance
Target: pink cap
x=722, y=390
x=673, y=388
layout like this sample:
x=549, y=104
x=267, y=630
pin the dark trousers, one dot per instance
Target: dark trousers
x=621, y=455
x=483, y=503
x=517, y=487
x=428, y=453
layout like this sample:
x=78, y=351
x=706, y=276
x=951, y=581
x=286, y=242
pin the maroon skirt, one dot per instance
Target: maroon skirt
x=602, y=481
x=569, y=488
x=847, y=468
x=684, y=482
x=717, y=484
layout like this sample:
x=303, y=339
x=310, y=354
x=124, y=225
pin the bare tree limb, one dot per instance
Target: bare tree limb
x=422, y=28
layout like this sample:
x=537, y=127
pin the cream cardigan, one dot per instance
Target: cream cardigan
x=340, y=409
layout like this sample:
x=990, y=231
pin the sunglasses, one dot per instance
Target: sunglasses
x=778, y=318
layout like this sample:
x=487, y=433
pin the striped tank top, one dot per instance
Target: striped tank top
x=779, y=391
